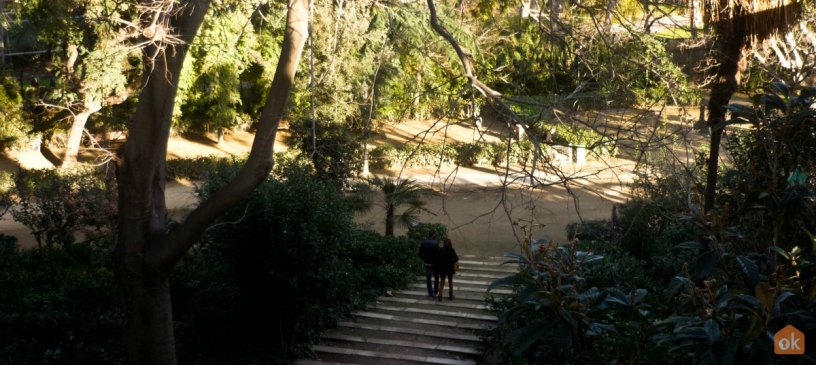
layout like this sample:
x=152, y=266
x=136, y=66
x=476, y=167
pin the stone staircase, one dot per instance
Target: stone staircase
x=412, y=328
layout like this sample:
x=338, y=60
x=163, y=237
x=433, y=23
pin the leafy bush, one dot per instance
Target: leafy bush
x=280, y=267
x=460, y=154
x=57, y=204
x=554, y=315
x=197, y=168
x=338, y=151
x=420, y=231
x=68, y=314
x=13, y=130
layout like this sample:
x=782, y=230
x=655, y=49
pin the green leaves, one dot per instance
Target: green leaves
x=749, y=270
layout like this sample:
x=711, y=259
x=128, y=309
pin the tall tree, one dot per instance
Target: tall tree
x=146, y=249
x=94, y=66
x=738, y=24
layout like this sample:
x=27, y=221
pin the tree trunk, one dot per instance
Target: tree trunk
x=145, y=294
x=389, y=221
x=75, y=136
x=145, y=251
x=610, y=9
x=725, y=84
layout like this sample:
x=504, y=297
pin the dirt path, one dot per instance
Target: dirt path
x=478, y=204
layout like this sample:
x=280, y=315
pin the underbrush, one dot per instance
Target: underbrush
x=262, y=283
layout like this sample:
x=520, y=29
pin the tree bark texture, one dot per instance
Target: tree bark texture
x=389, y=221
x=725, y=84
x=75, y=135
x=145, y=250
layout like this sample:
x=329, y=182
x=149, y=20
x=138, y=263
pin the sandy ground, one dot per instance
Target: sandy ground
x=479, y=204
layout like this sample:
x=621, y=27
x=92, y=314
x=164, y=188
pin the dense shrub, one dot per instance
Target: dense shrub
x=420, y=231
x=197, y=168
x=460, y=154
x=64, y=314
x=58, y=204
x=336, y=150
x=279, y=268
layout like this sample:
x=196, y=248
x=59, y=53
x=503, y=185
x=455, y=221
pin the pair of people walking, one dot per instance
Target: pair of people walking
x=438, y=262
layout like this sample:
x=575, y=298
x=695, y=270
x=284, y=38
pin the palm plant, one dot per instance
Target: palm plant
x=738, y=24
x=396, y=192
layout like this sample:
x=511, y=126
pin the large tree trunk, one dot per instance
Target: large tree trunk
x=145, y=251
x=726, y=83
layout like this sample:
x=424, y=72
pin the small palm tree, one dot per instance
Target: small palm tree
x=396, y=193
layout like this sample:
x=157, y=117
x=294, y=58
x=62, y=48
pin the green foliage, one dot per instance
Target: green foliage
x=419, y=231
x=396, y=193
x=460, y=154
x=770, y=182
x=66, y=315
x=336, y=151
x=13, y=127
x=280, y=267
x=555, y=315
x=57, y=204
x=198, y=168
x=225, y=76
x=729, y=306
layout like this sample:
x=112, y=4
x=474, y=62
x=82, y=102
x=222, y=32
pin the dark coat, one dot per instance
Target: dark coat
x=445, y=260
x=428, y=250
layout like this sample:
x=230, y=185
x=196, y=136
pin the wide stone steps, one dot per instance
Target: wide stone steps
x=410, y=327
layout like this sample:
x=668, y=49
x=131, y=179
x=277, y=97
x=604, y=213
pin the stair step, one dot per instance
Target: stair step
x=457, y=281
x=384, y=355
x=432, y=322
x=444, y=303
x=465, y=288
x=414, y=331
x=483, y=258
x=478, y=275
x=459, y=296
x=481, y=317
x=313, y=362
x=412, y=344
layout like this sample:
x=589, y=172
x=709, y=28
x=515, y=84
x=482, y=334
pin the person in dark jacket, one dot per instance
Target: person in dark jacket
x=444, y=266
x=428, y=251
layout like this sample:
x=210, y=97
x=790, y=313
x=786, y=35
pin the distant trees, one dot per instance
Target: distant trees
x=96, y=64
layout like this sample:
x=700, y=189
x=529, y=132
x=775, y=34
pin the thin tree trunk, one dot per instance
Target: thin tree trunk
x=389, y=221
x=610, y=9
x=75, y=136
x=726, y=83
x=145, y=251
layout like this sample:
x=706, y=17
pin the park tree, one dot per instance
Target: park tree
x=147, y=249
x=739, y=25
x=229, y=43
x=95, y=66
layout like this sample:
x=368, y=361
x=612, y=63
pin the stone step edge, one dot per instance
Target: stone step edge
x=444, y=303
x=483, y=257
x=459, y=281
x=409, y=344
x=450, y=324
x=443, y=314
x=423, y=359
x=312, y=362
x=463, y=296
x=501, y=269
x=410, y=331
x=468, y=289
x=476, y=275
